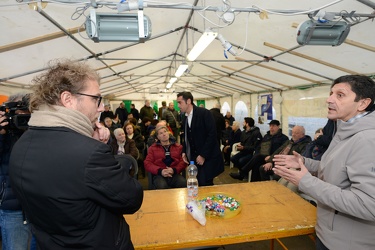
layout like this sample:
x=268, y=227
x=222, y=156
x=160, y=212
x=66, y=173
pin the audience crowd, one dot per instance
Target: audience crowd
x=163, y=142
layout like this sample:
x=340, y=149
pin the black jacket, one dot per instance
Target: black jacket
x=105, y=114
x=298, y=146
x=219, y=122
x=250, y=140
x=135, y=113
x=234, y=137
x=203, y=141
x=122, y=114
x=271, y=143
x=8, y=200
x=73, y=190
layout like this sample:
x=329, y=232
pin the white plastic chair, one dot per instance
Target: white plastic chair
x=249, y=178
x=234, y=151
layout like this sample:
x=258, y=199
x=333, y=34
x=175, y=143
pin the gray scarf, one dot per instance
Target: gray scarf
x=59, y=116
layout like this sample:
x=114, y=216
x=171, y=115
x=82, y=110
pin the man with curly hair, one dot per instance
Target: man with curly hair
x=73, y=190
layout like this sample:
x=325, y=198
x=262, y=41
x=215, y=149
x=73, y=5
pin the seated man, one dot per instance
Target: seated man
x=250, y=140
x=315, y=150
x=270, y=143
x=298, y=143
x=164, y=161
x=152, y=138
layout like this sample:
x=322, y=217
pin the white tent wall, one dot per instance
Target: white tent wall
x=305, y=107
x=210, y=103
x=292, y=107
x=228, y=100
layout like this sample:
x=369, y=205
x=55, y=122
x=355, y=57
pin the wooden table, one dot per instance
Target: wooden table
x=269, y=211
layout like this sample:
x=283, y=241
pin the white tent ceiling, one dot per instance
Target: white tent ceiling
x=268, y=56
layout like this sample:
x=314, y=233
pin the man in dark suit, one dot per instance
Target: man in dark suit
x=122, y=113
x=200, y=144
x=134, y=111
x=219, y=121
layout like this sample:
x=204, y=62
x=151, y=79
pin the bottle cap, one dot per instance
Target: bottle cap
x=191, y=162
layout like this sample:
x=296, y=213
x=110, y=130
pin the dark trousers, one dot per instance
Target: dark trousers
x=319, y=245
x=254, y=164
x=175, y=133
x=240, y=159
x=176, y=181
x=227, y=154
x=266, y=175
x=203, y=180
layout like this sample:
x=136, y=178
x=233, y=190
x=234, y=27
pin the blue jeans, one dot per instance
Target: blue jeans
x=15, y=234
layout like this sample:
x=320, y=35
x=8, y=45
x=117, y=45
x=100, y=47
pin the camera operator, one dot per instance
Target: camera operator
x=15, y=233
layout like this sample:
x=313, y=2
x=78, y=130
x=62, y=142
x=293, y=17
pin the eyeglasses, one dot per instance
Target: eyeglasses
x=98, y=97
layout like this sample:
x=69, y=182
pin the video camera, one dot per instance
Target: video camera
x=16, y=121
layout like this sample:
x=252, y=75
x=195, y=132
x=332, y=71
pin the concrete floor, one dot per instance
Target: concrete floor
x=292, y=243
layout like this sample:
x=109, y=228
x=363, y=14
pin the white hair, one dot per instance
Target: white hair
x=236, y=123
x=117, y=131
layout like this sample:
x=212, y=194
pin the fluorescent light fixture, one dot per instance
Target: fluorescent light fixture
x=171, y=81
x=328, y=33
x=181, y=69
x=108, y=27
x=207, y=37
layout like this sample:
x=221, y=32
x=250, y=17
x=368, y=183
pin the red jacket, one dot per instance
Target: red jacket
x=156, y=154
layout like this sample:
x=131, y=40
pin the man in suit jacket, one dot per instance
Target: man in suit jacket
x=200, y=144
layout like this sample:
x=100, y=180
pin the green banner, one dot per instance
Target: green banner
x=175, y=105
x=127, y=104
x=154, y=105
x=200, y=103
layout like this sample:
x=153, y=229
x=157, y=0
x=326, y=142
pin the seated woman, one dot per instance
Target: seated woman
x=234, y=137
x=123, y=145
x=164, y=161
x=136, y=136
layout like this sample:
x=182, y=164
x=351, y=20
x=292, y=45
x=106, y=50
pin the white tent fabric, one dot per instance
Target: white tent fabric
x=268, y=57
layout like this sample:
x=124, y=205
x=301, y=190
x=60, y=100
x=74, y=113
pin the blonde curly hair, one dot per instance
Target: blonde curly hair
x=61, y=75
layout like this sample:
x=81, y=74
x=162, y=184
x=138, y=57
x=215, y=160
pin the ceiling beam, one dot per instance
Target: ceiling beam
x=310, y=58
x=226, y=75
x=221, y=87
x=39, y=39
x=238, y=86
x=233, y=74
x=360, y=45
x=282, y=71
x=12, y=84
x=259, y=77
x=246, y=82
x=112, y=65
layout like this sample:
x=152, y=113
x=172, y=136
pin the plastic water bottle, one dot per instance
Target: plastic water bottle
x=192, y=182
